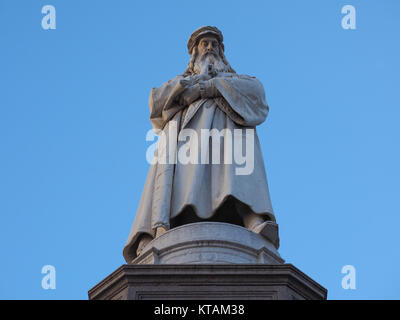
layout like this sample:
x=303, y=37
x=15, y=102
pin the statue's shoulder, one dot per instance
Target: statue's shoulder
x=246, y=76
x=177, y=78
x=235, y=75
x=169, y=83
x=247, y=81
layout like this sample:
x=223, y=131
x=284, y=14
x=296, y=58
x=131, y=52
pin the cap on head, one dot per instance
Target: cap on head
x=202, y=31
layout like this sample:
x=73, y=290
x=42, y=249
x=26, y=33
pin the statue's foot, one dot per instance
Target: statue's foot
x=269, y=230
x=160, y=231
x=145, y=239
x=266, y=228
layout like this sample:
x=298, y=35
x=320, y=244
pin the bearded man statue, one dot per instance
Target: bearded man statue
x=208, y=97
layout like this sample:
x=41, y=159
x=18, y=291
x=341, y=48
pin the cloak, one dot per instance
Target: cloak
x=172, y=186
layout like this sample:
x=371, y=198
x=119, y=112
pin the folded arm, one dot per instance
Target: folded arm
x=243, y=98
x=163, y=102
x=175, y=95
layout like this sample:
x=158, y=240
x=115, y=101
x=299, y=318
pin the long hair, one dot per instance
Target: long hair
x=190, y=68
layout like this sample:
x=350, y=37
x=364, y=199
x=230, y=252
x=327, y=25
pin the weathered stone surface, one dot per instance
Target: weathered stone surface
x=197, y=282
x=209, y=243
x=187, y=239
x=208, y=97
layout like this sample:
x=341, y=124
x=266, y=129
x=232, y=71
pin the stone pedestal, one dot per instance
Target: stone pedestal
x=209, y=243
x=208, y=282
x=208, y=260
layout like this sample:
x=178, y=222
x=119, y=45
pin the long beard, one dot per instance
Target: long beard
x=201, y=64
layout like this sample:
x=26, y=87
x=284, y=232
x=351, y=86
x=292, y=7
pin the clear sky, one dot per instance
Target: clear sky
x=74, y=117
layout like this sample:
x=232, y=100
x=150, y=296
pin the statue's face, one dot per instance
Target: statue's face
x=208, y=53
x=208, y=44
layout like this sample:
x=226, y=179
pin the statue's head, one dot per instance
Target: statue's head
x=206, y=47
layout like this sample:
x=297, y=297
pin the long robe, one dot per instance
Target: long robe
x=171, y=187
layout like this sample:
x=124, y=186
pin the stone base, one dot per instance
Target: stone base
x=209, y=243
x=209, y=260
x=208, y=282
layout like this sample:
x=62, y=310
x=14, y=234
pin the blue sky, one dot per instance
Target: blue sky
x=74, y=116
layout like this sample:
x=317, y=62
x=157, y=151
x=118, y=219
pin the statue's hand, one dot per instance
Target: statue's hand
x=189, y=95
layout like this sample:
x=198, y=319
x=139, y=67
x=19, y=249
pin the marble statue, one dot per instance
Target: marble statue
x=208, y=95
